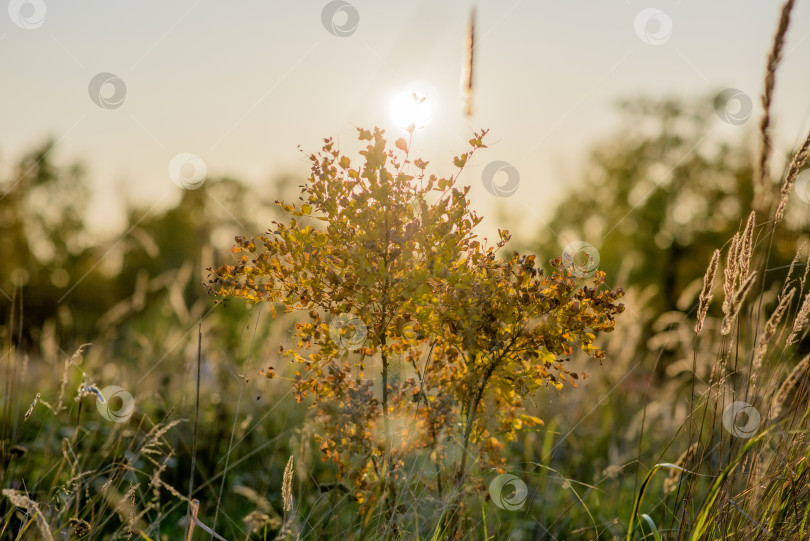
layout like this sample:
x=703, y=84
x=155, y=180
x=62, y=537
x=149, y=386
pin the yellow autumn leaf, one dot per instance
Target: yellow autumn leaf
x=531, y=420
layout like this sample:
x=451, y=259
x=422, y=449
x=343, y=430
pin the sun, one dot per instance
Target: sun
x=414, y=107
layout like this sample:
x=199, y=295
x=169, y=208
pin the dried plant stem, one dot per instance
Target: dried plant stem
x=131, y=522
x=235, y=419
x=774, y=58
x=675, y=473
x=196, y=424
x=21, y=500
x=467, y=67
x=193, y=509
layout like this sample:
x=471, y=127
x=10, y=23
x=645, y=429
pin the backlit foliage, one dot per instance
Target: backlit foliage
x=452, y=325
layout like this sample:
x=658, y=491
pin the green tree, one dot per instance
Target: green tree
x=658, y=197
x=42, y=211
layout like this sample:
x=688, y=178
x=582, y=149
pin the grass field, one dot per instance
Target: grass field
x=377, y=371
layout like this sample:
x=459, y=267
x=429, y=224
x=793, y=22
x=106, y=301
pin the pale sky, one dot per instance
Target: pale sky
x=242, y=84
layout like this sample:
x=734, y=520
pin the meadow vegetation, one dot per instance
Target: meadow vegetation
x=369, y=368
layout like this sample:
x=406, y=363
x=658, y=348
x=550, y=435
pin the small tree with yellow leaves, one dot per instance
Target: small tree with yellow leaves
x=383, y=258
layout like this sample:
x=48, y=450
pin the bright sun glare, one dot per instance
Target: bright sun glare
x=414, y=106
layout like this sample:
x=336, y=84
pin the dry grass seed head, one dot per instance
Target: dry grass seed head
x=736, y=303
x=774, y=58
x=769, y=332
x=790, y=270
x=796, y=164
x=731, y=273
x=800, y=321
x=31, y=408
x=804, y=276
x=788, y=386
x=21, y=500
x=747, y=247
x=706, y=292
x=286, y=487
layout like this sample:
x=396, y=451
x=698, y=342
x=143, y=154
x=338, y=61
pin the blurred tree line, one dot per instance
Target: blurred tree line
x=57, y=276
x=656, y=199
x=660, y=195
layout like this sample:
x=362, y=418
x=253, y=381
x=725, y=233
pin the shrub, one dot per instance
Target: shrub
x=384, y=260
